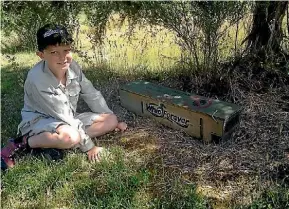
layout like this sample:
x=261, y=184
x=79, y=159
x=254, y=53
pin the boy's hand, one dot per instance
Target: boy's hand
x=94, y=154
x=121, y=126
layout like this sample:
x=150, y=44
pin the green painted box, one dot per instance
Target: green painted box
x=201, y=117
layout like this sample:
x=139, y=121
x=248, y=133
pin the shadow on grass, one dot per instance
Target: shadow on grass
x=123, y=182
x=160, y=186
x=12, y=81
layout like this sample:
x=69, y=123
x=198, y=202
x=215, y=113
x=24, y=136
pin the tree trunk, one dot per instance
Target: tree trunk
x=266, y=33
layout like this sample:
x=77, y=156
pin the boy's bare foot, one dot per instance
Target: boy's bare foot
x=121, y=126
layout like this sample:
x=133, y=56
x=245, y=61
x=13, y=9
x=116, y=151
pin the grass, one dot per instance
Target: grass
x=154, y=51
x=11, y=99
x=124, y=182
x=137, y=177
x=277, y=198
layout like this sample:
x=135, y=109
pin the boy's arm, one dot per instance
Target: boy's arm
x=51, y=104
x=93, y=97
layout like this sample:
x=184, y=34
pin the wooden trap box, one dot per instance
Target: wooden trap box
x=198, y=116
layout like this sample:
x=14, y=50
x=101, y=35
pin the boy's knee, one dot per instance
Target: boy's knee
x=69, y=136
x=70, y=139
x=112, y=121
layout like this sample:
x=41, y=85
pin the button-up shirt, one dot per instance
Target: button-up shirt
x=45, y=96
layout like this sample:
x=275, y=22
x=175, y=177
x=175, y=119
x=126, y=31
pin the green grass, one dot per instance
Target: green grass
x=122, y=53
x=274, y=198
x=11, y=99
x=75, y=183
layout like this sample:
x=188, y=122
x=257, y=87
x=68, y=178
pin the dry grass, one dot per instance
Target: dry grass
x=233, y=172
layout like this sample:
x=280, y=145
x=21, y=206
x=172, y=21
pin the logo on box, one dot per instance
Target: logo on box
x=160, y=111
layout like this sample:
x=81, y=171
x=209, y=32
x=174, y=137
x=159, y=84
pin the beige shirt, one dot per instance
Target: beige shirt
x=45, y=96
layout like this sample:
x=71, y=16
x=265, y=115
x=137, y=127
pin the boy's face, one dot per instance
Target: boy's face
x=58, y=57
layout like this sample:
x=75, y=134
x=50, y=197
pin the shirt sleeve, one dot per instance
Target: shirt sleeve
x=56, y=105
x=93, y=97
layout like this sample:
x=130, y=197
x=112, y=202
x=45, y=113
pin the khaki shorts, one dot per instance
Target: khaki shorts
x=48, y=124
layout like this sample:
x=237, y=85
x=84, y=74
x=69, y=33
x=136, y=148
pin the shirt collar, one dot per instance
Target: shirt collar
x=70, y=74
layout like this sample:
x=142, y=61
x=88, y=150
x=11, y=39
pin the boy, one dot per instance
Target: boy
x=51, y=91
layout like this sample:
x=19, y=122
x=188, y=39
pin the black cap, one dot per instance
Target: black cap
x=52, y=34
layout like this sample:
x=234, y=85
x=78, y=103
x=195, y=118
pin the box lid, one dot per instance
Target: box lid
x=212, y=107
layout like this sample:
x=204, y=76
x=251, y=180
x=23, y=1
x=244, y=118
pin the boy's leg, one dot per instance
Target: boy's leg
x=64, y=138
x=101, y=125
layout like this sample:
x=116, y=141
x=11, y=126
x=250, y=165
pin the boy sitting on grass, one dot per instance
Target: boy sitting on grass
x=51, y=91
